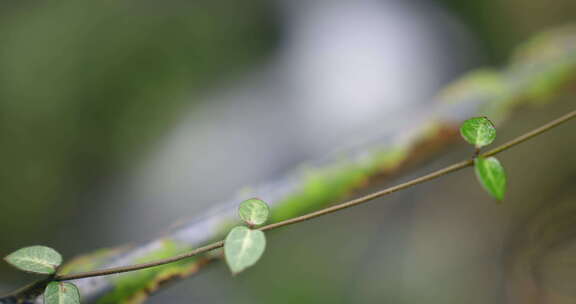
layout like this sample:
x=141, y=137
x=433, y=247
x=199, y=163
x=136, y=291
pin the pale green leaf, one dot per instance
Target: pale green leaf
x=37, y=259
x=491, y=175
x=254, y=212
x=243, y=247
x=61, y=293
x=478, y=131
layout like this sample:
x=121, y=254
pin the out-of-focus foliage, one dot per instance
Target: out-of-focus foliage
x=502, y=24
x=84, y=85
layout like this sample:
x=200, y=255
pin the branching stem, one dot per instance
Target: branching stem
x=438, y=173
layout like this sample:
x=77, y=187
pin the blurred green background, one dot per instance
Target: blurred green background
x=119, y=117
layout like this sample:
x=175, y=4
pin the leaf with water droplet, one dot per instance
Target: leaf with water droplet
x=61, y=293
x=491, y=175
x=243, y=247
x=36, y=259
x=254, y=212
x=478, y=131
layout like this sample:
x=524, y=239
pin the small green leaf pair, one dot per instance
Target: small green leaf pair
x=45, y=260
x=244, y=246
x=480, y=132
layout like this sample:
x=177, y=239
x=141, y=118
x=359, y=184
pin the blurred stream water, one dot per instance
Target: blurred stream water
x=343, y=70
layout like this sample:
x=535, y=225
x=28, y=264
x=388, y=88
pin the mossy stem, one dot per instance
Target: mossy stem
x=361, y=200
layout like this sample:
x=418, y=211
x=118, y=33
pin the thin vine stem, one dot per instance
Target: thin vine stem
x=361, y=200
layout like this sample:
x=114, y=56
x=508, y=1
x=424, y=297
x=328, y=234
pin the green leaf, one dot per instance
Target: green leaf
x=61, y=293
x=254, y=212
x=478, y=131
x=491, y=175
x=36, y=259
x=243, y=247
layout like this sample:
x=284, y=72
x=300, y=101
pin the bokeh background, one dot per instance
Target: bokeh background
x=117, y=118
